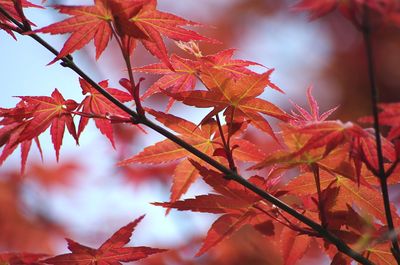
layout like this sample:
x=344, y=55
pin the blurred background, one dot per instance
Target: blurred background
x=86, y=197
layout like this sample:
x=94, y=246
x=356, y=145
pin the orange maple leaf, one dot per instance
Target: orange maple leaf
x=112, y=251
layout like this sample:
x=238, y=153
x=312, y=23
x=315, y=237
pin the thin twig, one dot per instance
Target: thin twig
x=227, y=148
x=136, y=119
x=134, y=86
x=321, y=208
x=366, y=30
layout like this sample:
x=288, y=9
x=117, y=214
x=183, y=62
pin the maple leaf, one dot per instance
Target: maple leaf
x=389, y=116
x=97, y=105
x=365, y=198
x=237, y=97
x=87, y=23
x=205, y=138
x=131, y=19
x=237, y=205
x=153, y=23
x=9, y=135
x=309, y=138
x=112, y=251
x=223, y=61
x=362, y=142
x=302, y=117
x=183, y=78
x=53, y=112
x=14, y=8
x=321, y=142
x=293, y=245
x=31, y=117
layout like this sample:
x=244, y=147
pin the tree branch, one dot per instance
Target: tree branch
x=138, y=119
x=366, y=30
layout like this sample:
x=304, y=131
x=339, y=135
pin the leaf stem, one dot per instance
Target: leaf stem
x=227, y=148
x=134, y=86
x=138, y=119
x=321, y=208
x=366, y=30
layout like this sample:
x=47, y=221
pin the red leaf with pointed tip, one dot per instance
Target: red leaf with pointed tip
x=112, y=251
x=131, y=19
x=96, y=104
x=236, y=97
x=389, y=116
x=205, y=138
x=154, y=23
x=9, y=7
x=223, y=61
x=367, y=199
x=53, y=112
x=13, y=122
x=238, y=205
x=183, y=78
x=294, y=246
x=31, y=117
x=86, y=23
x=304, y=117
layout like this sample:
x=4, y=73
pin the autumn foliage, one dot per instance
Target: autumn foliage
x=282, y=182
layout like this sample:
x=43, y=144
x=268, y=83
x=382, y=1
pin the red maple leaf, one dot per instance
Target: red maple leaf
x=87, y=23
x=183, y=78
x=366, y=198
x=303, y=117
x=237, y=97
x=237, y=205
x=53, y=112
x=9, y=138
x=153, y=23
x=293, y=245
x=14, y=8
x=205, y=138
x=31, y=117
x=112, y=251
x=185, y=74
x=390, y=117
x=100, y=108
x=223, y=61
x=130, y=19
x=309, y=138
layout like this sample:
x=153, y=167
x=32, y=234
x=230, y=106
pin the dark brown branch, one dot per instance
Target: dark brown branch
x=227, y=149
x=321, y=208
x=366, y=30
x=134, y=86
x=138, y=119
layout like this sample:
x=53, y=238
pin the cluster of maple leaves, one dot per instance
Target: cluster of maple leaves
x=336, y=167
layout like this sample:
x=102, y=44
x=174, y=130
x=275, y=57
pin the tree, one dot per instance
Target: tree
x=323, y=182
